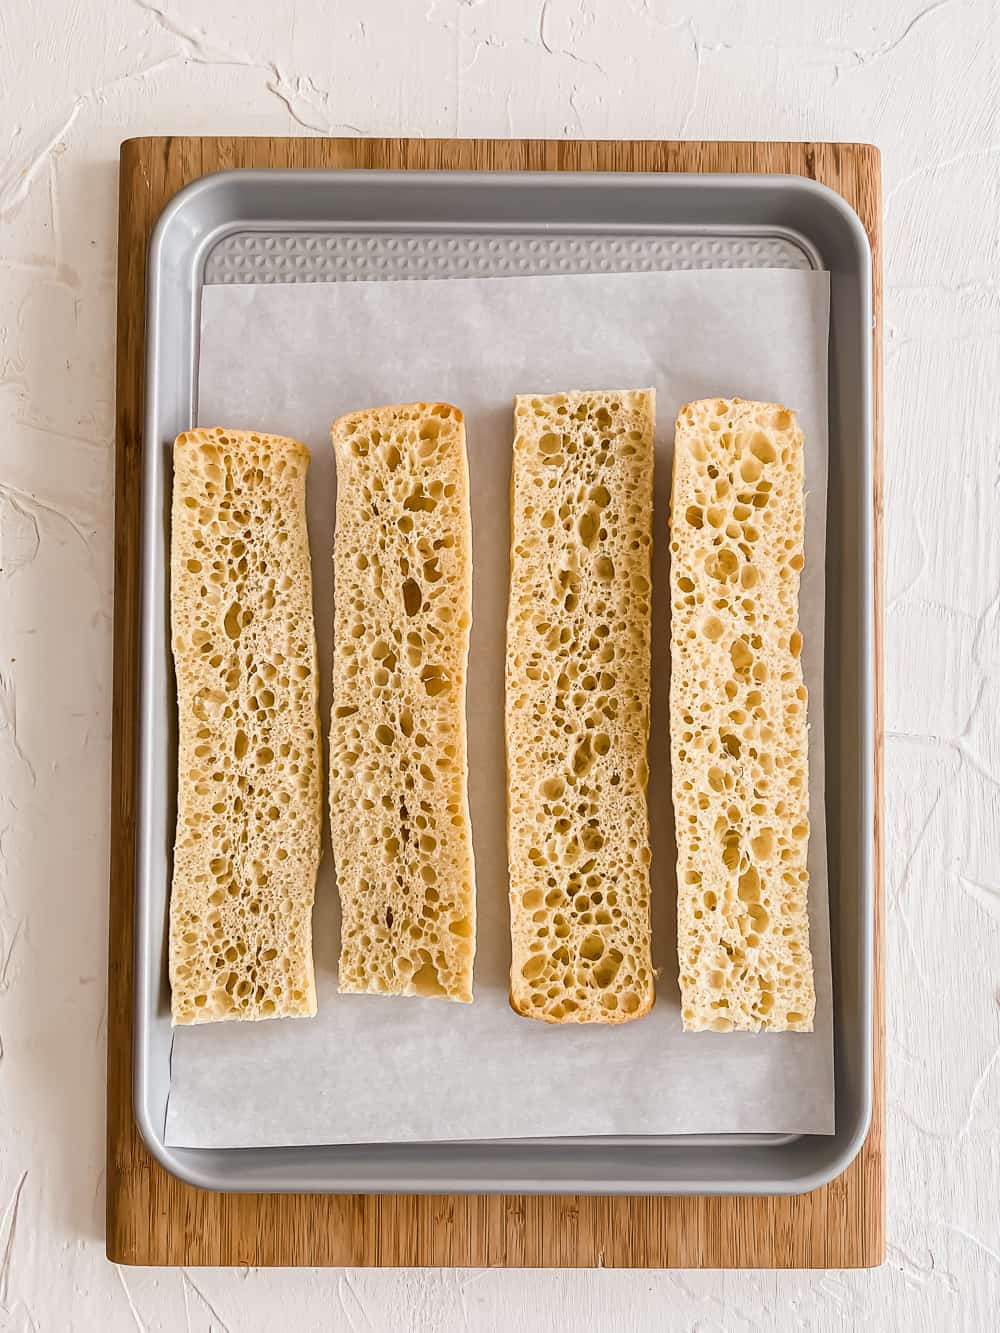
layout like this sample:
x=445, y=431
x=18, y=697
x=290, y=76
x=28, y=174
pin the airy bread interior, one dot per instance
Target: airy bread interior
x=398, y=768
x=248, y=782
x=577, y=706
x=738, y=719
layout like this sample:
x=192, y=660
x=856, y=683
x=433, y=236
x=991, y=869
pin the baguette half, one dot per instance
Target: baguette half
x=738, y=719
x=577, y=706
x=399, y=808
x=248, y=782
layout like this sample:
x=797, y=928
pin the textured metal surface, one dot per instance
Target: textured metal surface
x=339, y=256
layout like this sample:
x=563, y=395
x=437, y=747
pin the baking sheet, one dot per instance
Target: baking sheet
x=371, y=1069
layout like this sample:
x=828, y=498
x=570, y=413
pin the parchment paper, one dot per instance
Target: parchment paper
x=290, y=359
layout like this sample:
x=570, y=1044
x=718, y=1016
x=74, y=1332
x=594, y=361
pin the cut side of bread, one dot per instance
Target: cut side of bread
x=402, y=838
x=738, y=719
x=577, y=706
x=248, y=778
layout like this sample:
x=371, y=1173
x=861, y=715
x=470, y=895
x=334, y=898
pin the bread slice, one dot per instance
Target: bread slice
x=248, y=777
x=738, y=719
x=577, y=706
x=399, y=807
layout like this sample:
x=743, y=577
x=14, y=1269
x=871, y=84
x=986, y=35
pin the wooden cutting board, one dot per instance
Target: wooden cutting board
x=153, y=1218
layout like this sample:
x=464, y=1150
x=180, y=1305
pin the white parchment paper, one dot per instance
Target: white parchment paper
x=290, y=359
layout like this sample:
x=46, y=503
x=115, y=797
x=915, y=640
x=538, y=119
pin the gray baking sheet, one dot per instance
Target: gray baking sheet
x=290, y=358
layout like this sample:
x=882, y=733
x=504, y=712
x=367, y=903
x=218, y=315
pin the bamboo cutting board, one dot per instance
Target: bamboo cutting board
x=153, y=1218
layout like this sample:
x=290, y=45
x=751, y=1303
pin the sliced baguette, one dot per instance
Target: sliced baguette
x=398, y=769
x=577, y=706
x=248, y=781
x=738, y=719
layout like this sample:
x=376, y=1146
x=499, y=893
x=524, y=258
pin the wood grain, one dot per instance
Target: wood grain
x=153, y=1218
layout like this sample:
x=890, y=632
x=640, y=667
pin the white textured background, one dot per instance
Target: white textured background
x=923, y=82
